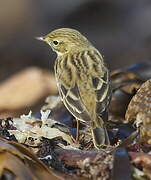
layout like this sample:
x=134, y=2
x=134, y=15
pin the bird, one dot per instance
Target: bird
x=82, y=79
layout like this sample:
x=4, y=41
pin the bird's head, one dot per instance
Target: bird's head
x=65, y=40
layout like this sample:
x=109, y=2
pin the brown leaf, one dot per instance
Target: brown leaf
x=22, y=163
x=139, y=111
x=125, y=85
x=142, y=160
x=25, y=89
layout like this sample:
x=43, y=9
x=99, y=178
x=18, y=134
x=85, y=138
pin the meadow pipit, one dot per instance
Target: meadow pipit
x=82, y=79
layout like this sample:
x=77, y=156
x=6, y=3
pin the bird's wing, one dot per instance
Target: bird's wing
x=102, y=91
x=100, y=79
x=73, y=102
x=74, y=99
x=70, y=95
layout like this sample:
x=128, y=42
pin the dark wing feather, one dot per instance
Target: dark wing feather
x=103, y=92
x=73, y=103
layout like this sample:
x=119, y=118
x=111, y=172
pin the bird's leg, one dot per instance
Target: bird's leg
x=77, y=133
x=76, y=139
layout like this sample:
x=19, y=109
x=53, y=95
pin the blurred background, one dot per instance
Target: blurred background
x=121, y=30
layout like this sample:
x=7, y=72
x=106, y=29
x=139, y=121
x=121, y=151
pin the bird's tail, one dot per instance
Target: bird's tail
x=100, y=136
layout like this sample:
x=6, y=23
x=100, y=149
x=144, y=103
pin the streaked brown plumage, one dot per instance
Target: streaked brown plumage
x=82, y=79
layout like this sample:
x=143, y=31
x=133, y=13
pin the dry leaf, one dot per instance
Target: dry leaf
x=19, y=163
x=25, y=89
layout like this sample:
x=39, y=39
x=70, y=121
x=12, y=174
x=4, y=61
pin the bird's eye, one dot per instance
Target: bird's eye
x=55, y=43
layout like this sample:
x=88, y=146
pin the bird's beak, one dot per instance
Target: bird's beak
x=42, y=38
